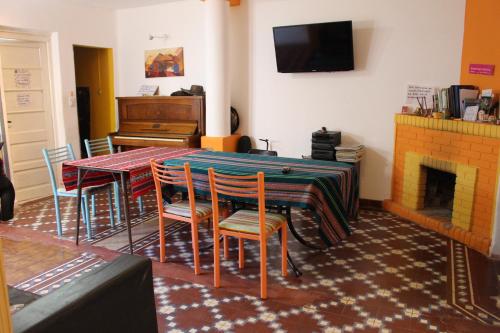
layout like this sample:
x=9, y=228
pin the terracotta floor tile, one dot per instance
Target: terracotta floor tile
x=390, y=275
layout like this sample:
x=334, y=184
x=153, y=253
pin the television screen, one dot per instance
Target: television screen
x=320, y=47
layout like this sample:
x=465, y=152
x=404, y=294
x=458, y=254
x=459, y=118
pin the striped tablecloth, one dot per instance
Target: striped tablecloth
x=133, y=162
x=330, y=189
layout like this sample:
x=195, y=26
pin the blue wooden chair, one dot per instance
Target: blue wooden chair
x=104, y=145
x=56, y=156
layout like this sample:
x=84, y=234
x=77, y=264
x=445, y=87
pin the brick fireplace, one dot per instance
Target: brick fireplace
x=445, y=177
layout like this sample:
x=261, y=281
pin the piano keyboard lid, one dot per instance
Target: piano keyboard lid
x=172, y=128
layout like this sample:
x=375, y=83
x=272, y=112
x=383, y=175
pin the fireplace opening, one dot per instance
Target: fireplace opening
x=439, y=194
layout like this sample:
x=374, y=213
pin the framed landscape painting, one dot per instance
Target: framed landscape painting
x=164, y=62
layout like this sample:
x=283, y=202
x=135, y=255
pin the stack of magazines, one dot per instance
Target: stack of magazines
x=350, y=153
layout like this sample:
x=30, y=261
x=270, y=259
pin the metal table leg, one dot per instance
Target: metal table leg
x=123, y=180
x=79, y=204
x=296, y=271
x=209, y=246
x=296, y=234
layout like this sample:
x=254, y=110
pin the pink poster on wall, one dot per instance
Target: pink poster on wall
x=482, y=69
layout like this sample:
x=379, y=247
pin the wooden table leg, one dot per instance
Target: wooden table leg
x=123, y=180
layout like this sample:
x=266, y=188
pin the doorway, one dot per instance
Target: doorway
x=95, y=92
x=27, y=115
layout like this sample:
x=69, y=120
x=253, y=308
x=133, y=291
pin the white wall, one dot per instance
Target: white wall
x=183, y=21
x=396, y=43
x=69, y=25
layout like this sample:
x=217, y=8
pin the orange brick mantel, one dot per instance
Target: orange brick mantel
x=455, y=144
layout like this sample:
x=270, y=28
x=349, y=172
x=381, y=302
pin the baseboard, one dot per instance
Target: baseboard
x=371, y=204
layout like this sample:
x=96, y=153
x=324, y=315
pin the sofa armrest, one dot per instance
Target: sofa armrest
x=117, y=297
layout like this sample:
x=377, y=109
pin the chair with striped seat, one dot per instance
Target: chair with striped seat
x=246, y=224
x=183, y=208
x=105, y=145
x=191, y=211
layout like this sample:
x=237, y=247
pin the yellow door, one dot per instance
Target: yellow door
x=94, y=69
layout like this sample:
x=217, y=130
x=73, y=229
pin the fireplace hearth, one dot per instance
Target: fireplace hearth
x=439, y=194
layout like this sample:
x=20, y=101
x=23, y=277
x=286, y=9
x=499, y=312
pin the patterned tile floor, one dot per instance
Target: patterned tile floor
x=389, y=276
x=40, y=216
x=48, y=281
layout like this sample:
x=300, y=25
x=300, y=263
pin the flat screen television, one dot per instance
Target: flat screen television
x=319, y=47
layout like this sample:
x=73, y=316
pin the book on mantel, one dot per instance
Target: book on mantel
x=456, y=95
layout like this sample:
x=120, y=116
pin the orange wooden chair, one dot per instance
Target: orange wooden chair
x=246, y=224
x=190, y=211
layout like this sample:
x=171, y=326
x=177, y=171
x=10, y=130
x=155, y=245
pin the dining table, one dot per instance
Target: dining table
x=129, y=167
x=329, y=189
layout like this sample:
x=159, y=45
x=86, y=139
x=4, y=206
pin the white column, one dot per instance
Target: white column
x=217, y=67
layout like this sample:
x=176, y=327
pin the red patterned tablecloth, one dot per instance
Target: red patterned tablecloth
x=133, y=162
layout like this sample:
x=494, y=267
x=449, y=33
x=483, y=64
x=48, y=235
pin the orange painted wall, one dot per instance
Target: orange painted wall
x=481, y=42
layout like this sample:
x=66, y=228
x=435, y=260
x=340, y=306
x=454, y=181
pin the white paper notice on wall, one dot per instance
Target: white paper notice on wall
x=23, y=99
x=415, y=91
x=22, y=77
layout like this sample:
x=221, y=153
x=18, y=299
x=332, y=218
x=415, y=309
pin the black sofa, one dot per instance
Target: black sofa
x=117, y=297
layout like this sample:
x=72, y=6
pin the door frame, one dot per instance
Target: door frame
x=29, y=36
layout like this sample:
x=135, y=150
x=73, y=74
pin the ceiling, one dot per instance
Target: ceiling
x=118, y=4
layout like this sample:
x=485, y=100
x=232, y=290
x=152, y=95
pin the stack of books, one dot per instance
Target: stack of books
x=350, y=153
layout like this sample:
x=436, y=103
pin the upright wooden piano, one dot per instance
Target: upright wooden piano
x=160, y=121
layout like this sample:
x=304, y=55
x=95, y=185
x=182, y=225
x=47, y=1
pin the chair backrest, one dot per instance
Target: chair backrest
x=248, y=186
x=173, y=176
x=103, y=145
x=56, y=156
x=263, y=152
